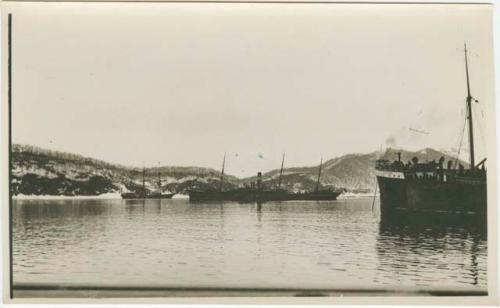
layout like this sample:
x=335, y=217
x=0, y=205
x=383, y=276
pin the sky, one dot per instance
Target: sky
x=184, y=83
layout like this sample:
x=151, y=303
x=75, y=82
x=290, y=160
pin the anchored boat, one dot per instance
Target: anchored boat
x=431, y=186
x=257, y=193
x=143, y=192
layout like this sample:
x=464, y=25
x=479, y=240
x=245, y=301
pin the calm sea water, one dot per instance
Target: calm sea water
x=290, y=244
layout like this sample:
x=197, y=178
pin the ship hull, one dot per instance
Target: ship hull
x=222, y=196
x=314, y=196
x=398, y=193
x=264, y=196
x=150, y=196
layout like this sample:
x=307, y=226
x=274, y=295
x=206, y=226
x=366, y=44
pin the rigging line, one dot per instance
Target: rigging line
x=374, y=194
x=482, y=135
x=482, y=111
x=459, y=136
x=480, y=106
x=461, y=141
x=462, y=116
x=480, y=126
x=376, y=183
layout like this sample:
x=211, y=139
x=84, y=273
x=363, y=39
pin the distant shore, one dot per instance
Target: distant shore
x=107, y=196
x=111, y=196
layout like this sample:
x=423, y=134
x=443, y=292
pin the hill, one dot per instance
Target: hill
x=38, y=171
x=353, y=172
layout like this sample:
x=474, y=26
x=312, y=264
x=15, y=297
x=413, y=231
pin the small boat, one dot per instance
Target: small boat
x=317, y=194
x=133, y=195
x=144, y=194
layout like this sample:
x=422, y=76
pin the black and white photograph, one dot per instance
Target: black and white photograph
x=163, y=150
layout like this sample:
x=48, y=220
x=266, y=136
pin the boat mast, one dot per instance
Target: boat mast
x=319, y=174
x=281, y=171
x=143, y=180
x=222, y=173
x=469, y=112
x=159, y=178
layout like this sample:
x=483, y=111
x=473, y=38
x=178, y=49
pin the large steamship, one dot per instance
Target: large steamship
x=433, y=186
x=257, y=193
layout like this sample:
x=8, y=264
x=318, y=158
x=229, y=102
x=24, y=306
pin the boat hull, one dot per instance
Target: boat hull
x=399, y=193
x=148, y=196
x=264, y=196
x=314, y=196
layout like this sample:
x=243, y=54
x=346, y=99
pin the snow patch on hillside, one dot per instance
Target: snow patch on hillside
x=350, y=195
x=180, y=196
x=59, y=197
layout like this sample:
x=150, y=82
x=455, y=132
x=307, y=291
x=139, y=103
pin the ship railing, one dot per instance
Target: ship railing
x=446, y=175
x=397, y=166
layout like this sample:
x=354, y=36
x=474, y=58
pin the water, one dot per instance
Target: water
x=290, y=244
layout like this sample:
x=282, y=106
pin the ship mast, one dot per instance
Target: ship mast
x=469, y=112
x=143, y=180
x=159, y=178
x=281, y=171
x=222, y=173
x=319, y=174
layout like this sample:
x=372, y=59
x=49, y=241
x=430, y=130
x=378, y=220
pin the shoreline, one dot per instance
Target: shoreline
x=117, y=196
x=107, y=196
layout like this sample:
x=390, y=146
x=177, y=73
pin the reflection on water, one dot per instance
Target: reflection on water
x=444, y=244
x=278, y=244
